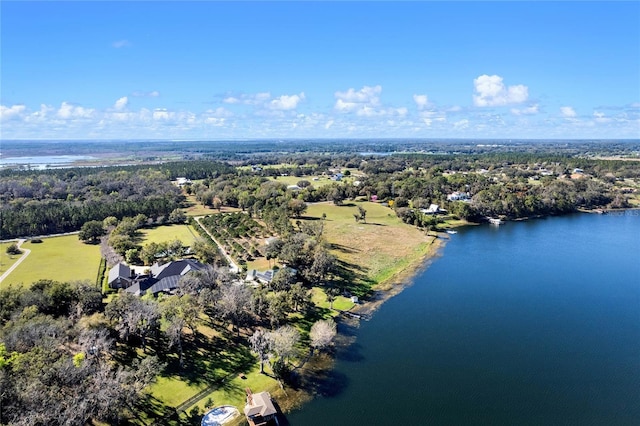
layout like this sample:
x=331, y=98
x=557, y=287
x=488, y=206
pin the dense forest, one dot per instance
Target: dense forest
x=62, y=200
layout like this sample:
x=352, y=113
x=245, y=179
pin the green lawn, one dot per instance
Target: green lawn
x=374, y=252
x=159, y=234
x=319, y=298
x=322, y=180
x=233, y=391
x=57, y=258
x=197, y=209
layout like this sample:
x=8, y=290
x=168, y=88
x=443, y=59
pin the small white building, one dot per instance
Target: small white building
x=458, y=196
x=181, y=181
x=433, y=209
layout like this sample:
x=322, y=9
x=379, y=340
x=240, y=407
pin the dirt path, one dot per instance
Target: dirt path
x=26, y=253
x=232, y=265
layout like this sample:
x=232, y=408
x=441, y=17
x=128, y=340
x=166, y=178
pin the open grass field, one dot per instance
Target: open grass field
x=322, y=180
x=6, y=260
x=57, y=258
x=196, y=209
x=370, y=254
x=159, y=234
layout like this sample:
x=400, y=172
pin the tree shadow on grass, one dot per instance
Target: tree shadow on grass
x=148, y=410
x=210, y=360
x=352, y=278
x=313, y=218
x=313, y=314
x=342, y=248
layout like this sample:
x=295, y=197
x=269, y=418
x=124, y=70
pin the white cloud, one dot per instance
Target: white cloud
x=219, y=112
x=120, y=44
x=533, y=109
x=248, y=99
x=215, y=121
x=352, y=99
x=142, y=94
x=161, y=114
x=600, y=117
x=328, y=124
x=365, y=103
x=285, y=102
x=121, y=103
x=491, y=91
x=462, y=124
x=421, y=101
x=7, y=113
x=568, y=112
x=428, y=117
x=69, y=111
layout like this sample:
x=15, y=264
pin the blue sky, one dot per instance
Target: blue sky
x=237, y=70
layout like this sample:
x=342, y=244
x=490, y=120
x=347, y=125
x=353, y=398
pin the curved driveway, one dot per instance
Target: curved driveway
x=18, y=262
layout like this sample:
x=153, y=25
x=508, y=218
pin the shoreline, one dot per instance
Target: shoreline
x=400, y=280
x=320, y=365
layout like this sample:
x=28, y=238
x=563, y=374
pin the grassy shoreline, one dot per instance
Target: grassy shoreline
x=390, y=282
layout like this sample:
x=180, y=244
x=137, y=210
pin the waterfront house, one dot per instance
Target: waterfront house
x=259, y=409
x=433, y=209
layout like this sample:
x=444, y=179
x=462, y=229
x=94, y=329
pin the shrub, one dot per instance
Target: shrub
x=13, y=249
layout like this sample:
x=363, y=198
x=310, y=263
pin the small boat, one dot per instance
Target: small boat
x=495, y=221
x=451, y=231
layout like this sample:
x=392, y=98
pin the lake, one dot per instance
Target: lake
x=534, y=322
x=41, y=162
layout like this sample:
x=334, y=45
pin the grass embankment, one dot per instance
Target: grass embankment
x=57, y=258
x=370, y=255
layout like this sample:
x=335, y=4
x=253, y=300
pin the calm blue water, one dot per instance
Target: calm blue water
x=535, y=322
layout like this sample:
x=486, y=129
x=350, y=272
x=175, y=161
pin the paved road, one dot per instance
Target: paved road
x=233, y=267
x=26, y=253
